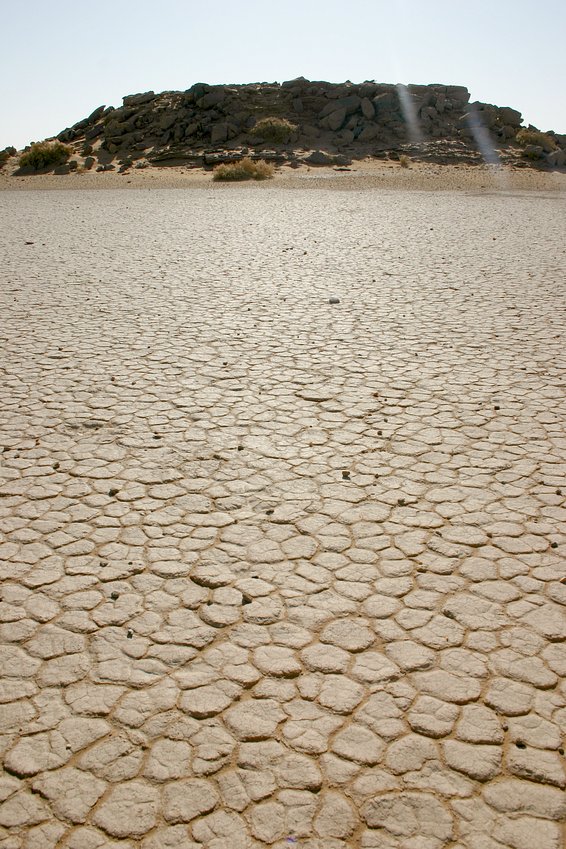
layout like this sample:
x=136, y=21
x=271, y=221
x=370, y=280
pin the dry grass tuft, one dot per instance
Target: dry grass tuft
x=277, y=130
x=527, y=137
x=45, y=154
x=245, y=169
x=404, y=161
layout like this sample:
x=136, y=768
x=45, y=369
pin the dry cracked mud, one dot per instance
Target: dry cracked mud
x=278, y=571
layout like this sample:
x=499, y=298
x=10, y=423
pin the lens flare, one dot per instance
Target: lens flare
x=482, y=137
x=409, y=111
x=486, y=147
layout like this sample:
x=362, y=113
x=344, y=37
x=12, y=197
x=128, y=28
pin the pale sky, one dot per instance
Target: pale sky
x=58, y=62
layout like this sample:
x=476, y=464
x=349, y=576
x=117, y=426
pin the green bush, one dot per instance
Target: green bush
x=245, y=169
x=527, y=137
x=277, y=130
x=45, y=154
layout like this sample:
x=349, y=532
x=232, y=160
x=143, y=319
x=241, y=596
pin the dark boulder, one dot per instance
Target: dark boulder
x=138, y=99
x=318, y=157
x=458, y=94
x=386, y=103
x=212, y=98
x=95, y=114
x=509, y=116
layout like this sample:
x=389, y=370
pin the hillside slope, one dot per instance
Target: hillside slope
x=326, y=123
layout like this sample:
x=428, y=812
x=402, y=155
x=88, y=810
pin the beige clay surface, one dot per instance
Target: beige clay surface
x=275, y=571
x=362, y=175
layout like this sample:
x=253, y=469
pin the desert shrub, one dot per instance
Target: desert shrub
x=527, y=137
x=244, y=169
x=277, y=130
x=404, y=161
x=44, y=154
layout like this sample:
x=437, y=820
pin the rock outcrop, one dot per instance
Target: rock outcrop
x=331, y=124
x=6, y=154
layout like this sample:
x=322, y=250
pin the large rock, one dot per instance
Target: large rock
x=385, y=103
x=94, y=132
x=6, y=154
x=297, y=83
x=336, y=119
x=440, y=102
x=349, y=104
x=458, y=94
x=510, y=116
x=368, y=109
x=423, y=92
x=482, y=114
x=346, y=137
x=95, y=114
x=166, y=120
x=533, y=151
x=369, y=133
x=219, y=133
x=198, y=90
x=318, y=157
x=138, y=99
x=368, y=89
x=212, y=98
x=557, y=159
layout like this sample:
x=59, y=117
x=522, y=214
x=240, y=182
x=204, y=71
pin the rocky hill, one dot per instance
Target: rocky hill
x=317, y=123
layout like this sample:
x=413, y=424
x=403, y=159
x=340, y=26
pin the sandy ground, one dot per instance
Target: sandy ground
x=366, y=174
x=279, y=571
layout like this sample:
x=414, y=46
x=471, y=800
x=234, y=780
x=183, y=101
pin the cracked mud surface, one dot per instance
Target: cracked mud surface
x=275, y=571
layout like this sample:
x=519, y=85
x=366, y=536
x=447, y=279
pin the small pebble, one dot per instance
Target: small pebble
x=334, y=300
